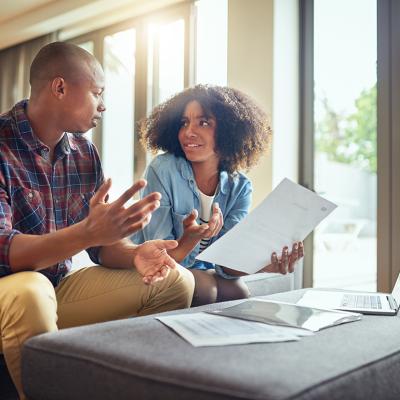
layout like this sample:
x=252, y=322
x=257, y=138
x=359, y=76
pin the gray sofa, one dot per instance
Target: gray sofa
x=142, y=359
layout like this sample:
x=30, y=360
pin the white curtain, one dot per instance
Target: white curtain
x=14, y=70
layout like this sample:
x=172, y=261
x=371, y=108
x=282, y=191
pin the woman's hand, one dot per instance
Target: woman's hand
x=192, y=230
x=287, y=260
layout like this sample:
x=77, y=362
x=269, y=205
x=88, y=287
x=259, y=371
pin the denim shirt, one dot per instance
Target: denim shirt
x=173, y=177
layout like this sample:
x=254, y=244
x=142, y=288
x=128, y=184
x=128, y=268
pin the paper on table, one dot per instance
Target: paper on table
x=287, y=215
x=320, y=298
x=201, y=329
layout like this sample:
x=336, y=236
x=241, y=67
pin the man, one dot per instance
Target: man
x=53, y=204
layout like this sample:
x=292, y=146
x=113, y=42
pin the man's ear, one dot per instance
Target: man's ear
x=58, y=87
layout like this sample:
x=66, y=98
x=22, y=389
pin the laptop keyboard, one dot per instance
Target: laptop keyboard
x=361, y=301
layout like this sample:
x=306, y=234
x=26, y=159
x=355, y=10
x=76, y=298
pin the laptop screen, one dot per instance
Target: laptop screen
x=396, y=291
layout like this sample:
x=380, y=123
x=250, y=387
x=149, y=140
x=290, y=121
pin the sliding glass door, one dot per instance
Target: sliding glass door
x=345, y=142
x=339, y=139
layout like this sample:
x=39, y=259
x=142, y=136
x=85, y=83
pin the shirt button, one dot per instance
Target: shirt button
x=30, y=195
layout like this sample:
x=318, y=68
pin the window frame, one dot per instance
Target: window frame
x=185, y=11
x=388, y=135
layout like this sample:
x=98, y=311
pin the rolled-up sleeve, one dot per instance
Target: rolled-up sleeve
x=239, y=210
x=161, y=224
x=94, y=252
x=235, y=215
x=6, y=232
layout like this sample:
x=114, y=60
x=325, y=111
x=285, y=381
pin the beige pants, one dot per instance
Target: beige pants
x=29, y=304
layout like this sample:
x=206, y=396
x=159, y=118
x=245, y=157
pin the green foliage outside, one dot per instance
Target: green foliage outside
x=350, y=139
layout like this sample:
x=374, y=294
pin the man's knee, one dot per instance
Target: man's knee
x=183, y=283
x=32, y=297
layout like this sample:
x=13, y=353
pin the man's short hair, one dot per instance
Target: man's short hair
x=59, y=59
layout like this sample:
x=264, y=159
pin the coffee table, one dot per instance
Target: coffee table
x=141, y=358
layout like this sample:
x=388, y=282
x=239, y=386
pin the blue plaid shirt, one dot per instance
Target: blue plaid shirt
x=38, y=196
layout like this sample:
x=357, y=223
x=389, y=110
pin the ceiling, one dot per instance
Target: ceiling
x=11, y=9
x=22, y=20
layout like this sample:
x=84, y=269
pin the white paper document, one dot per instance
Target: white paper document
x=202, y=329
x=287, y=215
x=324, y=299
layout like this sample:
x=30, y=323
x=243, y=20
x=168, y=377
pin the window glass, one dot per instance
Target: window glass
x=118, y=121
x=345, y=159
x=88, y=46
x=165, y=61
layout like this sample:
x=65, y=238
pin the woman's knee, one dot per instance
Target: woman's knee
x=234, y=289
x=205, y=291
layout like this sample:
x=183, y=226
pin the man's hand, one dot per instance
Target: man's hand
x=152, y=260
x=109, y=222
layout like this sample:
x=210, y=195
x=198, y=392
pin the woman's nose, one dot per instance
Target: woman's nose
x=190, y=131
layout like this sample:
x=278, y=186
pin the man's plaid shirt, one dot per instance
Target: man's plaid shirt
x=38, y=196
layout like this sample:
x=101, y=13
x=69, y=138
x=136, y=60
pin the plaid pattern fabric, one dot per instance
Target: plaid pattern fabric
x=38, y=196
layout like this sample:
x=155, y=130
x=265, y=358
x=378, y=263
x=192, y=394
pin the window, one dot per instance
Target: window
x=357, y=153
x=146, y=60
x=165, y=60
x=118, y=125
x=88, y=46
x=345, y=153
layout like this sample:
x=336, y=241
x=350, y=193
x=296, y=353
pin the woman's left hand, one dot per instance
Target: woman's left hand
x=287, y=261
x=215, y=223
x=193, y=230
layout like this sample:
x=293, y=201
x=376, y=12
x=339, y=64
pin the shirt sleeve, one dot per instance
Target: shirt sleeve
x=161, y=224
x=93, y=252
x=239, y=210
x=6, y=232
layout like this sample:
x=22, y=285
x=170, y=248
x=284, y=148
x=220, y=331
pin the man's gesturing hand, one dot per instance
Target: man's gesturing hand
x=109, y=222
x=152, y=260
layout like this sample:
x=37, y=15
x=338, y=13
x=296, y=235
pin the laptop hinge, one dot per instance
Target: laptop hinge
x=392, y=302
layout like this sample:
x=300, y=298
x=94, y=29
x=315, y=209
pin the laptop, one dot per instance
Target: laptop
x=361, y=302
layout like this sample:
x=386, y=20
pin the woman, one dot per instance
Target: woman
x=208, y=134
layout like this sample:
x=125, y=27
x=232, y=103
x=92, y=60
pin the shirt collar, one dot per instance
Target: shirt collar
x=187, y=173
x=24, y=128
x=67, y=143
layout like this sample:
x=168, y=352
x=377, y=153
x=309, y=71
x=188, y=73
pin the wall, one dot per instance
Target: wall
x=250, y=54
x=285, y=155
x=263, y=62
